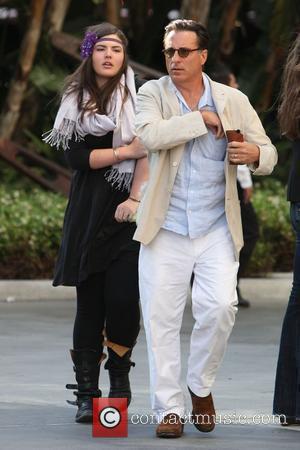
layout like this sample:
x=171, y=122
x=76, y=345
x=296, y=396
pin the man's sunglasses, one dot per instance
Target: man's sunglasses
x=183, y=52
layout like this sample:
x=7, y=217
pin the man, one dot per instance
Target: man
x=189, y=220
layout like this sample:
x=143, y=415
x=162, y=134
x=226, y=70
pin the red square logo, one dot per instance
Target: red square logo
x=110, y=417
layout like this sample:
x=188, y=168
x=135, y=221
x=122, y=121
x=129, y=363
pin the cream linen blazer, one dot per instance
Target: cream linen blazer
x=164, y=131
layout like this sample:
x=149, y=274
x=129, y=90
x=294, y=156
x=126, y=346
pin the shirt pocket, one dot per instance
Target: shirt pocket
x=212, y=182
x=212, y=171
x=214, y=149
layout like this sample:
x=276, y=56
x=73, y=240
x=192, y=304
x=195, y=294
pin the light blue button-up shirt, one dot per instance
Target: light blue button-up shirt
x=197, y=204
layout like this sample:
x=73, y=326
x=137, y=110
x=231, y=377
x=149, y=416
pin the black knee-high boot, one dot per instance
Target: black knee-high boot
x=118, y=368
x=86, y=367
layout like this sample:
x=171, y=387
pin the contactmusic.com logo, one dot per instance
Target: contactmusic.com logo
x=110, y=417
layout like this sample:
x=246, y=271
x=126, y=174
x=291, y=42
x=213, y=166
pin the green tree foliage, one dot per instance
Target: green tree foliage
x=31, y=223
x=30, y=230
x=275, y=247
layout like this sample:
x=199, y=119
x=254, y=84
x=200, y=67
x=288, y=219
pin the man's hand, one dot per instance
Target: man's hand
x=243, y=152
x=212, y=121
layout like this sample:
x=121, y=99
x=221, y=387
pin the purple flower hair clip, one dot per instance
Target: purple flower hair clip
x=86, y=48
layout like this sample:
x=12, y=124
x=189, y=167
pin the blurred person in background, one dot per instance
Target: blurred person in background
x=222, y=74
x=287, y=384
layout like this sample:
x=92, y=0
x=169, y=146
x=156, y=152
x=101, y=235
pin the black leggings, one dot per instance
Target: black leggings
x=108, y=299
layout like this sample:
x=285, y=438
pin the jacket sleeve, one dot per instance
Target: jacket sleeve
x=158, y=133
x=78, y=155
x=255, y=134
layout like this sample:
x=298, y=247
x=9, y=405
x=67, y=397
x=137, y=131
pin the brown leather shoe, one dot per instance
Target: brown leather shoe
x=170, y=427
x=203, y=413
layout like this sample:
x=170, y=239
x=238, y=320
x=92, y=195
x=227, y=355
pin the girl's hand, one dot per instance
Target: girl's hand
x=136, y=149
x=126, y=211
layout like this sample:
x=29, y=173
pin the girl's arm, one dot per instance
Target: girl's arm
x=108, y=156
x=126, y=210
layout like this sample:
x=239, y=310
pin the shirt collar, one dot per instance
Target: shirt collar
x=206, y=98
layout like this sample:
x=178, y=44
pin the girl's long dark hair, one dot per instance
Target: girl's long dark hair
x=289, y=99
x=84, y=78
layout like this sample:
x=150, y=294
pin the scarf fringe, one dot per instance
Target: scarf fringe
x=120, y=180
x=60, y=138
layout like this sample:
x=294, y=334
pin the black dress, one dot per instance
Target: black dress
x=91, y=238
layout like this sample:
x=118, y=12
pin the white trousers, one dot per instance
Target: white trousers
x=165, y=269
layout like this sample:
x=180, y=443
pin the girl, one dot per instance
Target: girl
x=95, y=127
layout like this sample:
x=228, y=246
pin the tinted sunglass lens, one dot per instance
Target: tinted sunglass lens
x=183, y=52
x=169, y=52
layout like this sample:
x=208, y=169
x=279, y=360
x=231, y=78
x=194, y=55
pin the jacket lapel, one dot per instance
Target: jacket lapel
x=219, y=97
x=171, y=103
x=171, y=108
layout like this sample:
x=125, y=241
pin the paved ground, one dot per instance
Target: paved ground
x=35, y=365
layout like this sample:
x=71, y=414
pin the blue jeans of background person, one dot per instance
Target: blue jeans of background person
x=287, y=385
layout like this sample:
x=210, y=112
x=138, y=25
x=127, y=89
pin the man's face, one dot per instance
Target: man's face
x=184, y=70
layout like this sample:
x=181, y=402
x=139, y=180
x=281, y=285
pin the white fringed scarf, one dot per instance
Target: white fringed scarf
x=120, y=120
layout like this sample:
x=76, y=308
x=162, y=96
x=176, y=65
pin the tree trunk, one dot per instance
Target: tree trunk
x=19, y=83
x=196, y=9
x=229, y=20
x=138, y=18
x=112, y=8
x=57, y=13
x=274, y=61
